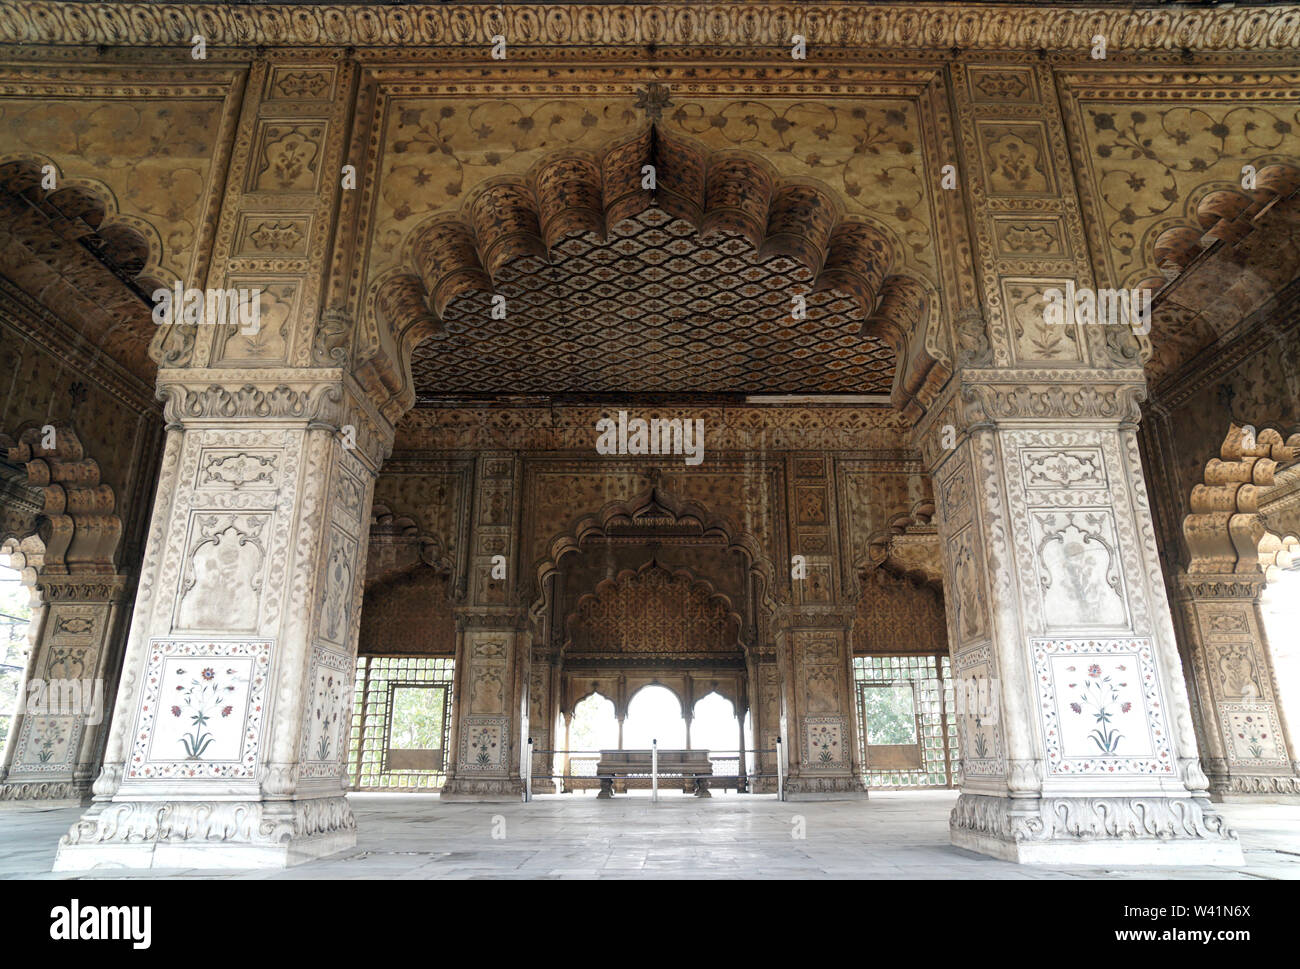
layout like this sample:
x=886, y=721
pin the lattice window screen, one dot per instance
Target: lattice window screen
x=938, y=723
x=373, y=764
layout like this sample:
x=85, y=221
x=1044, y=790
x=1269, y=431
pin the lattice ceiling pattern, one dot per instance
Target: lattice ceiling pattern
x=655, y=309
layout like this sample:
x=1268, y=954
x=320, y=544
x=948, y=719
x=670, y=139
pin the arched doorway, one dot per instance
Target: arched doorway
x=654, y=715
x=654, y=639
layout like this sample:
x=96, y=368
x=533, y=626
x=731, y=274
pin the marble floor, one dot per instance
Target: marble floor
x=892, y=835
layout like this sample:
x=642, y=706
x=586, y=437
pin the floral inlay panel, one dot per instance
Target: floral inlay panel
x=824, y=744
x=979, y=724
x=1101, y=707
x=201, y=709
x=47, y=744
x=483, y=744
x=1254, y=734
x=326, y=731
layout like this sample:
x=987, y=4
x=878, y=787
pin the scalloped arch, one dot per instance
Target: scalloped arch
x=509, y=217
x=1222, y=213
x=1224, y=528
x=78, y=521
x=94, y=203
x=87, y=211
x=608, y=587
x=653, y=500
x=429, y=549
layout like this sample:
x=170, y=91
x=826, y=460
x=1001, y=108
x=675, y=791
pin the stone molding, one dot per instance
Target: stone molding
x=44, y=791
x=980, y=398
x=714, y=27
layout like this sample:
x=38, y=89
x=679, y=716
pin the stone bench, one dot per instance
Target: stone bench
x=691, y=764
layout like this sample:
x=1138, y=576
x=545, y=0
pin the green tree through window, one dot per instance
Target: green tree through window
x=890, y=713
x=417, y=718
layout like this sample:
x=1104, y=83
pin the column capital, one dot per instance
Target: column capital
x=978, y=398
x=814, y=616
x=93, y=587
x=1235, y=586
x=320, y=398
x=508, y=618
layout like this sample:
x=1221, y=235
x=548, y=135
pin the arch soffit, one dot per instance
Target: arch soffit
x=1204, y=279
x=87, y=210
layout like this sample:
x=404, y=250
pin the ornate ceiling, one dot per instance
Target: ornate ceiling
x=60, y=249
x=655, y=309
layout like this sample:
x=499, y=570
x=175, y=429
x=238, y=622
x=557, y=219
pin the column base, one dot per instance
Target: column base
x=49, y=794
x=1094, y=830
x=207, y=834
x=1255, y=788
x=483, y=789
x=839, y=788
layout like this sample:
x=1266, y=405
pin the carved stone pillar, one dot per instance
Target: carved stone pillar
x=67, y=691
x=765, y=688
x=233, y=711
x=77, y=624
x=543, y=697
x=820, y=728
x=1248, y=750
x=493, y=673
x=1076, y=735
x=491, y=693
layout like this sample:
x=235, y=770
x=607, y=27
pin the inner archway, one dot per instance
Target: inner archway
x=655, y=716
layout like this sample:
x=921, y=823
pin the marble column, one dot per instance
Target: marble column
x=493, y=662
x=488, y=714
x=817, y=690
x=1077, y=741
x=1248, y=750
x=67, y=690
x=233, y=712
x=765, y=688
